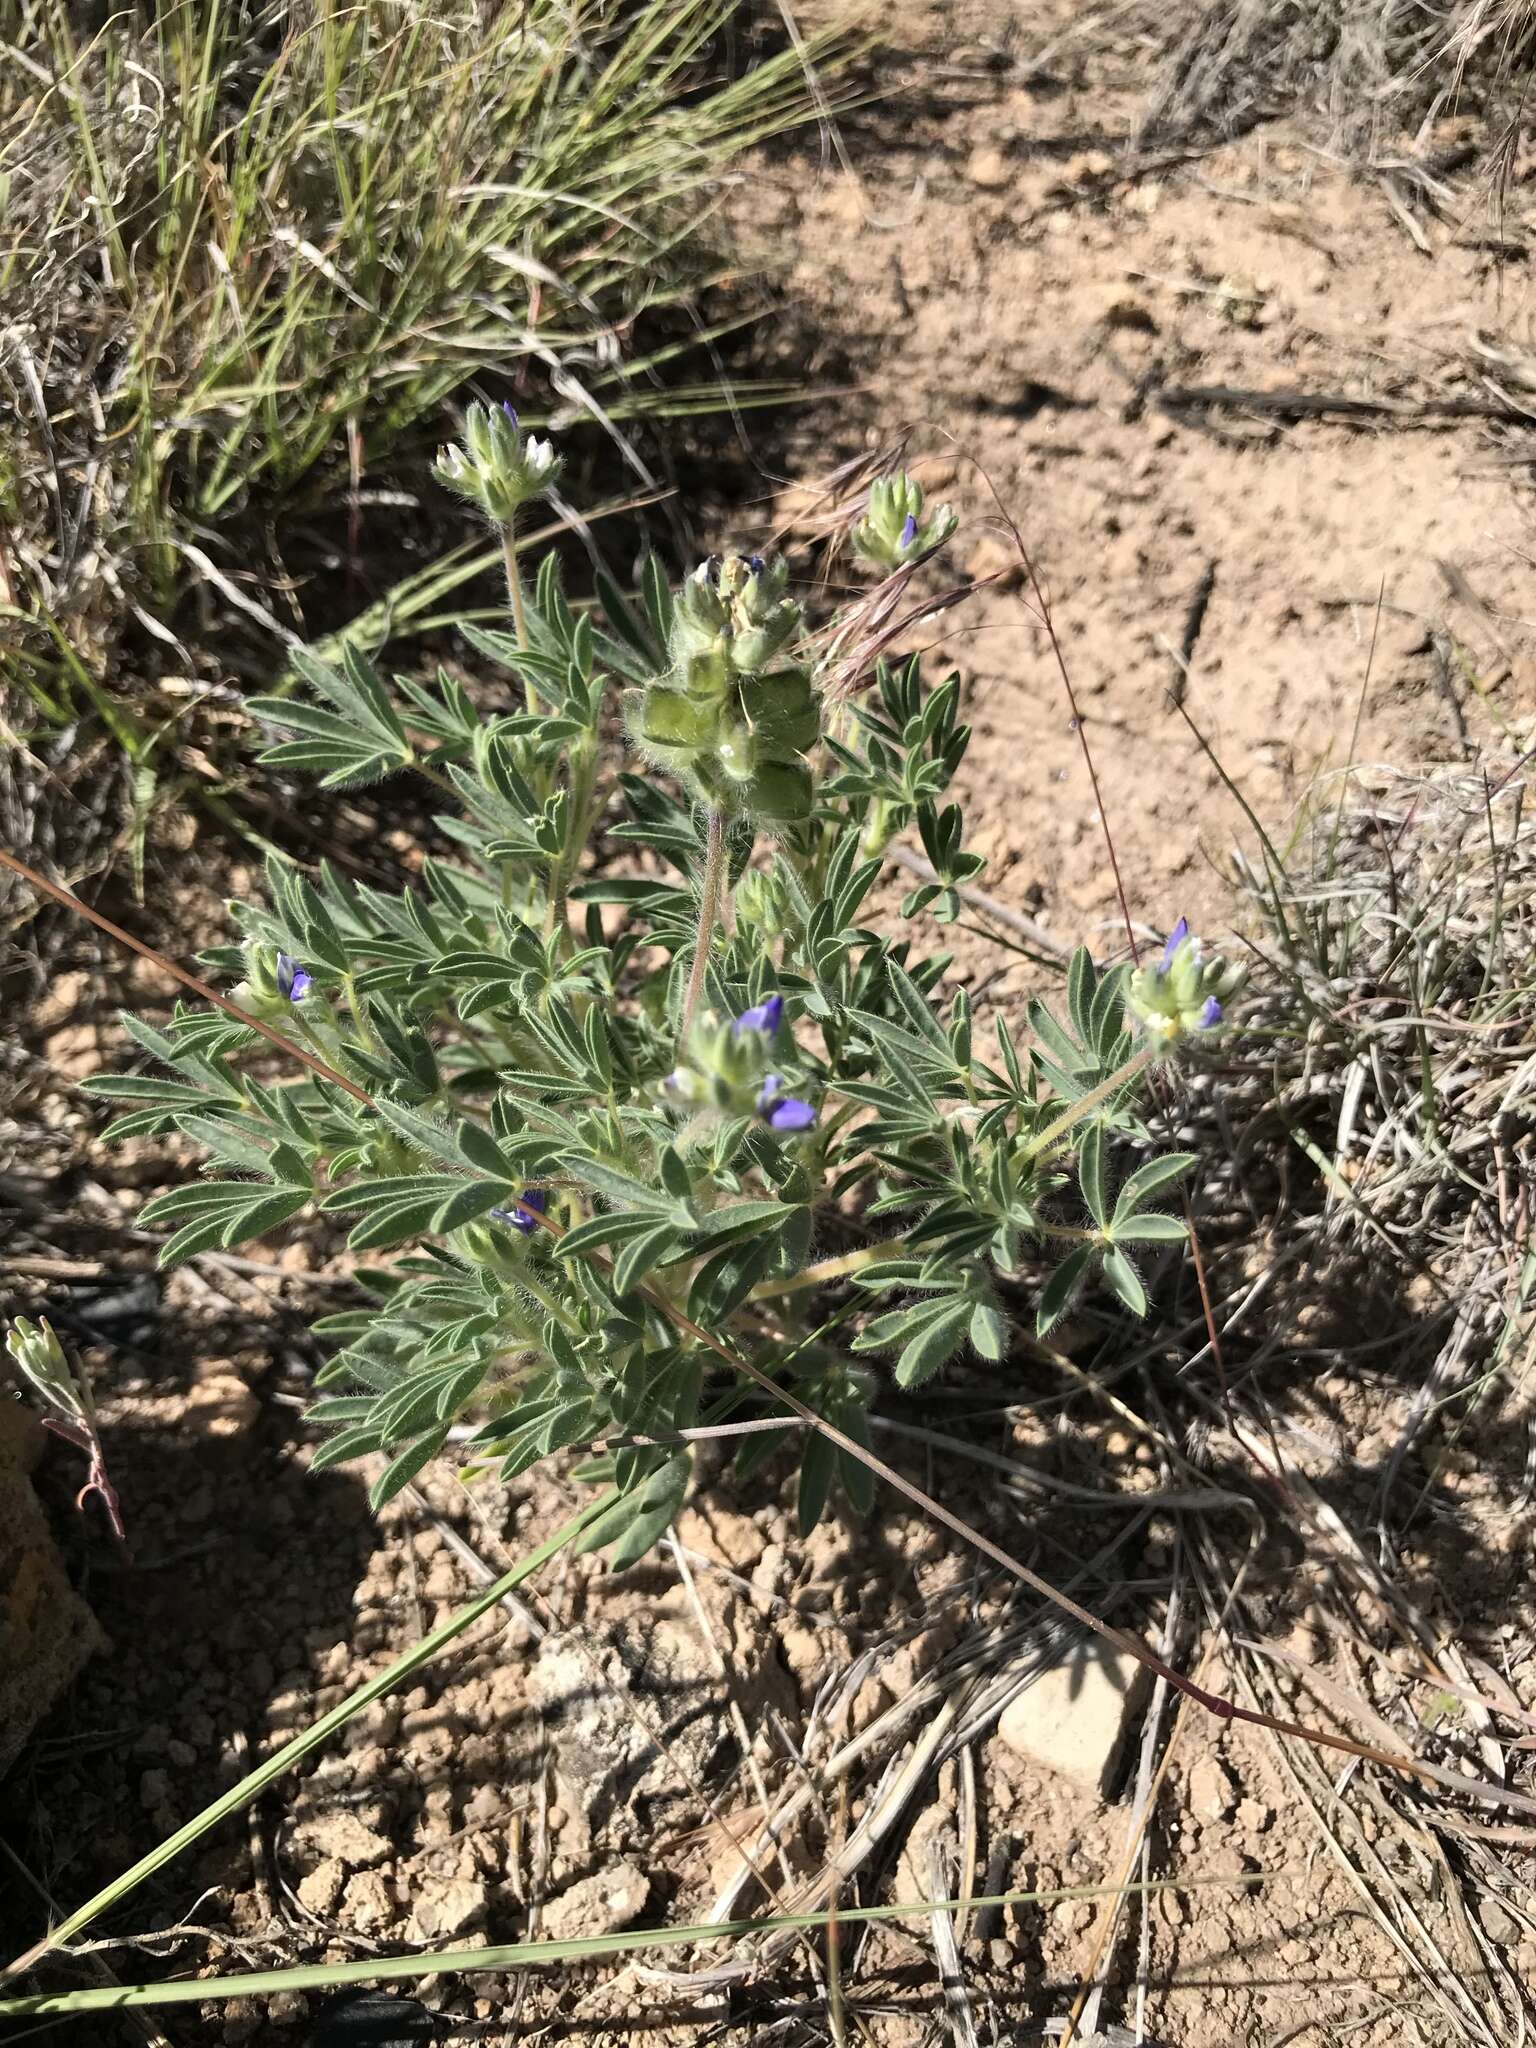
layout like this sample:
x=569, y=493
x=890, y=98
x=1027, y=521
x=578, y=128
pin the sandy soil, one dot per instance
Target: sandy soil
x=1016, y=293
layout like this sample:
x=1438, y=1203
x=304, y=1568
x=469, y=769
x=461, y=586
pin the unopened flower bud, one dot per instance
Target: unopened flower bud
x=499, y=467
x=895, y=530
x=727, y=1072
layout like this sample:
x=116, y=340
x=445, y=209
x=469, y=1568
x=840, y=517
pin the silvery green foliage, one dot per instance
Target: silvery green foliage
x=543, y=1169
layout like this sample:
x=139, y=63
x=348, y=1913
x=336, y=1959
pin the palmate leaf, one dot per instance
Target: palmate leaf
x=1058, y=1292
x=934, y=1343
x=220, y=1213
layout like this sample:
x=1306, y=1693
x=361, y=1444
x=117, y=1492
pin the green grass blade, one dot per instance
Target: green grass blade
x=309, y=1739
x=524, y=1954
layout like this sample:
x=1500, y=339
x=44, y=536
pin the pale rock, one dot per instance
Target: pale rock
x=219, y=1403
x=728, y=1538
x=637, y=1711
x=989, y=168
x=808, y=1652
x=67, y=993
x=1254, y=1816
x=1212, y=1790
x=368, y=1904
x=319, y=1890
x=448, y=1907
x=613, y=1899
x=75, y=1051
x=1074, y=1719
x=1499, y=1924
x=342, y=1836
x=241, y=2017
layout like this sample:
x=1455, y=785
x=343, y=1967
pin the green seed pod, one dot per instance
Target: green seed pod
x=736, y=751
x=782, y=708
x=669, y=719
x=781, y=792
x=705, y=672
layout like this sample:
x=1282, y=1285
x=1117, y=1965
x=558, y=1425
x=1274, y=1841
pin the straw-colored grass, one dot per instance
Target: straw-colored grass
x=249, y=248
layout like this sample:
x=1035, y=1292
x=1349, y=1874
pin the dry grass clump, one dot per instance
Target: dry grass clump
x=250, y=255
x=1372, y=69
x=1377, y=1123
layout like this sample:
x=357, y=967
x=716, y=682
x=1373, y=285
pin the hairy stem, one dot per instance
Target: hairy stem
x=1076, y=1111
x=515, y=598
x=828, y=1269
x=709, y=912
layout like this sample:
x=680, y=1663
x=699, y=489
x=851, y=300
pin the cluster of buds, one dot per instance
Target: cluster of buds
x=734, y=728
x=498, y=466
x=764, y=908
x=273, y=981
x=1184, y=992
x=729, y=1072
x=895, y=530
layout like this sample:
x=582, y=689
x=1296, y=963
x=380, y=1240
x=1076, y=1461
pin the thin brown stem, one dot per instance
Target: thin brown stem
x=191, y=981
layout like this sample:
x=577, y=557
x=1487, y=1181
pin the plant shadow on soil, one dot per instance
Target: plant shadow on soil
x=238, y=1578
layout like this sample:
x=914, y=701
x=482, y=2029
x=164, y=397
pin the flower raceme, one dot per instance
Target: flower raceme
x=895, y=530
x=274, y=981
x=727, y=1072
x=731, y=718
x=1185, y=992
x=498, y=466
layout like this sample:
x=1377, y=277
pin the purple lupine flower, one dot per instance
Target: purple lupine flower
x=909, y=530
x=1176, y=939
x=510, y=410
x=293, y=981
x=765, y=1017
x=755, y=564
x=514, y=1219
x=782, y=1113
x=1210, y=1014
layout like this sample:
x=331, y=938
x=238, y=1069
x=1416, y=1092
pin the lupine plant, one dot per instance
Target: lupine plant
x=622, y=1062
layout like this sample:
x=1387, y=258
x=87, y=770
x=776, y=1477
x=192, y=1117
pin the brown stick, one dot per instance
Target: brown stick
x=1305, y=405
x=191, y=981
